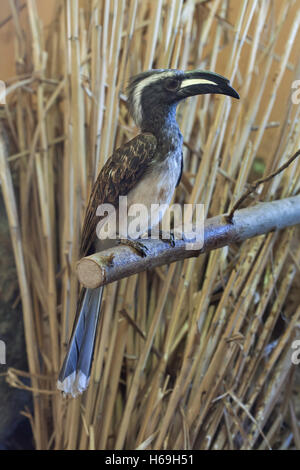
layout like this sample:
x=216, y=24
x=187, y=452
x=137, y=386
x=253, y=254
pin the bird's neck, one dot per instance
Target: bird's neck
x=162, y=123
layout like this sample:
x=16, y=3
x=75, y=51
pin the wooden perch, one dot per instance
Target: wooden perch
x=122, y=261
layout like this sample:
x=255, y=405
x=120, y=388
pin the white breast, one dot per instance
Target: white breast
x=155, y=192
x=148, y=200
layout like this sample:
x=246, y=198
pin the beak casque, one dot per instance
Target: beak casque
x=199, y=82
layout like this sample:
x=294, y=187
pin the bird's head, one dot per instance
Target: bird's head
x=159, y=91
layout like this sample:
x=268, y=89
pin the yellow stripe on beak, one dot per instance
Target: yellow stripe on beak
x=196, y=81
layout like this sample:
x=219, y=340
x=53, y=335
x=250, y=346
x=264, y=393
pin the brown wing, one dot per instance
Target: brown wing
x=117, y=177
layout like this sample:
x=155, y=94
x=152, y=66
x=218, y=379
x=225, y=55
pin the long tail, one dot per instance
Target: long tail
x=76, y=369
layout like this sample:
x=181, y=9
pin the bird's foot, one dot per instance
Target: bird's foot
x=170, y=239
x=136, y=245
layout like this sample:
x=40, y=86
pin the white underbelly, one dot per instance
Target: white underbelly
x=146, y=202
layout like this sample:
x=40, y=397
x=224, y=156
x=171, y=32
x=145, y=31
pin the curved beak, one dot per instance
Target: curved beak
x=199, y=82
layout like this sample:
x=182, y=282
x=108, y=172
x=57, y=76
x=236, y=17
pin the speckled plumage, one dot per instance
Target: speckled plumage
x=118, y=176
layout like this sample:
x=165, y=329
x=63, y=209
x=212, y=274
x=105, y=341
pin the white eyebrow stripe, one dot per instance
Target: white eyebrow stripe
x=196, y=81
x=137, y=95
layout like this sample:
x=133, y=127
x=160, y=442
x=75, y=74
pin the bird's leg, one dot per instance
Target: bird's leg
x=137, y=245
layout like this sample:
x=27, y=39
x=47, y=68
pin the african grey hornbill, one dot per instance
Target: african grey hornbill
x=147, y=170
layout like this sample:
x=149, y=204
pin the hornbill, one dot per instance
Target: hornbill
x=147, y=170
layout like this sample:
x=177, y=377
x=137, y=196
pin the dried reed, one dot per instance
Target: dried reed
x=205, y=360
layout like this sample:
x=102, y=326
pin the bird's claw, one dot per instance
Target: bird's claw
x=170, y=239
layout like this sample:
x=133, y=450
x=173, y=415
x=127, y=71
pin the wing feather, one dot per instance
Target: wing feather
x=117, y=177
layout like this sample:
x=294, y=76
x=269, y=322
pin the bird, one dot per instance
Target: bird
x=146, y=170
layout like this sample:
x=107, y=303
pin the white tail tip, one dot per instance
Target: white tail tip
x=74, y=384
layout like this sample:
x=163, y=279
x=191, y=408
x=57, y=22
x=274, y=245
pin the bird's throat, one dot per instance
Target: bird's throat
x=162, y=123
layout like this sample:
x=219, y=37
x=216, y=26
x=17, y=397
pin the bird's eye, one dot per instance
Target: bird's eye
x=172, y=84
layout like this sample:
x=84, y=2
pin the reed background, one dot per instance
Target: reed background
x=205, y=362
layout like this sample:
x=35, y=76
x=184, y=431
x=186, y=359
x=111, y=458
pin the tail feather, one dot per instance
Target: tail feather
x=75, y=372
